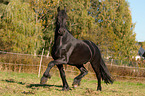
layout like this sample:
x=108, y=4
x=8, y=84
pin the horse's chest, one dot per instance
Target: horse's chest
x=61, y=50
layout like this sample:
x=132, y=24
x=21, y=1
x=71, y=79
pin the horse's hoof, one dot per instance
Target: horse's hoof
x=99, y=89
x=66, y=89
x=43, y=80
x=75, y=85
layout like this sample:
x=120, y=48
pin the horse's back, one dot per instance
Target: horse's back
x=82, y=52
x=94, y=48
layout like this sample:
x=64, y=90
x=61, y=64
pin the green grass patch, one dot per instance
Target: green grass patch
x=22, y=84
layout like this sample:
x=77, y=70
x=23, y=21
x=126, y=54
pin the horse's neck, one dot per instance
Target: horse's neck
x=57, y=39
x=56, y=35
x=63, y=39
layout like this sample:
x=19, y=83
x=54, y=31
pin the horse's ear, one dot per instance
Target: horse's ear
x=58, y=9
x=64, y=8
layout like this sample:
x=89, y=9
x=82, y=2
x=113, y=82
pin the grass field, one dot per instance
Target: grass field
x=22, y=84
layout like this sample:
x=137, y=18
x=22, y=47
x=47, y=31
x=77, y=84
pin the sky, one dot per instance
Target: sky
x=137, y=8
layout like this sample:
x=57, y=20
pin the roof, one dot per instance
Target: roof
x=141, y=52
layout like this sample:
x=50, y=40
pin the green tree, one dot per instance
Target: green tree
x=115, y=28
x=107, y=23
x=19, y=29
x=124, y=31
x=46, y=11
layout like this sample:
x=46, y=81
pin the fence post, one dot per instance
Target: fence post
x=111, y=61
x=40, y=63
x=137, y=68
x=121, y=62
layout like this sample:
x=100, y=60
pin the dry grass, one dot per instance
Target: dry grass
x=21, y=84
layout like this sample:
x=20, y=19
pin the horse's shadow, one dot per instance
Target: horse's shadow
x=32, y=86
x=13, y=81
x=40, y=85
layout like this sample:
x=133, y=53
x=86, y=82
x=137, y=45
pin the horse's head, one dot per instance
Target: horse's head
x=61, y=20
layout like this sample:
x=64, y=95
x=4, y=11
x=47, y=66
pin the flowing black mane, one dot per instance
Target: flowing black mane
x=69, y=50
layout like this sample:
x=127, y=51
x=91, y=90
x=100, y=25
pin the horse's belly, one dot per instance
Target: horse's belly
x=80, y=55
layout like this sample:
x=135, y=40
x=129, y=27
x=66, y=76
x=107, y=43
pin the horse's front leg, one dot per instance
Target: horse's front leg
x=63, y=77
x=46, y=74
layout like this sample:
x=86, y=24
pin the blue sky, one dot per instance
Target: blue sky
x=137, y=8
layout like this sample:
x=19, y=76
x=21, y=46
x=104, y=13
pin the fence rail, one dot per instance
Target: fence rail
x=21, y=64
x=5, y=64
x=126, y=66
x=3, y=52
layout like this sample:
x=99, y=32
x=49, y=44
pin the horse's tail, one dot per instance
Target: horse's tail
x=105, y=74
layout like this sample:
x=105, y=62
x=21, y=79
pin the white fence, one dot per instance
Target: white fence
x=4, y=63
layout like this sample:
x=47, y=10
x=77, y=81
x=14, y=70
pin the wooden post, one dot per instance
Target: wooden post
x=137, y=68
x=111, y=61
x=40, y=63
x=47, y=54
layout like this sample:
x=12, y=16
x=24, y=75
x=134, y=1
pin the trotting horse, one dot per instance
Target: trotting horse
x=69, y=50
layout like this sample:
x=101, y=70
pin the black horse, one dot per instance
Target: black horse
x=69, y=50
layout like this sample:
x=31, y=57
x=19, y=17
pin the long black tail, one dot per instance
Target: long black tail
x=105, y=74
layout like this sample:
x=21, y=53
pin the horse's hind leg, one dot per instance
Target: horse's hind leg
x=77, y=79
x=96, y=67
x=63, y=77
